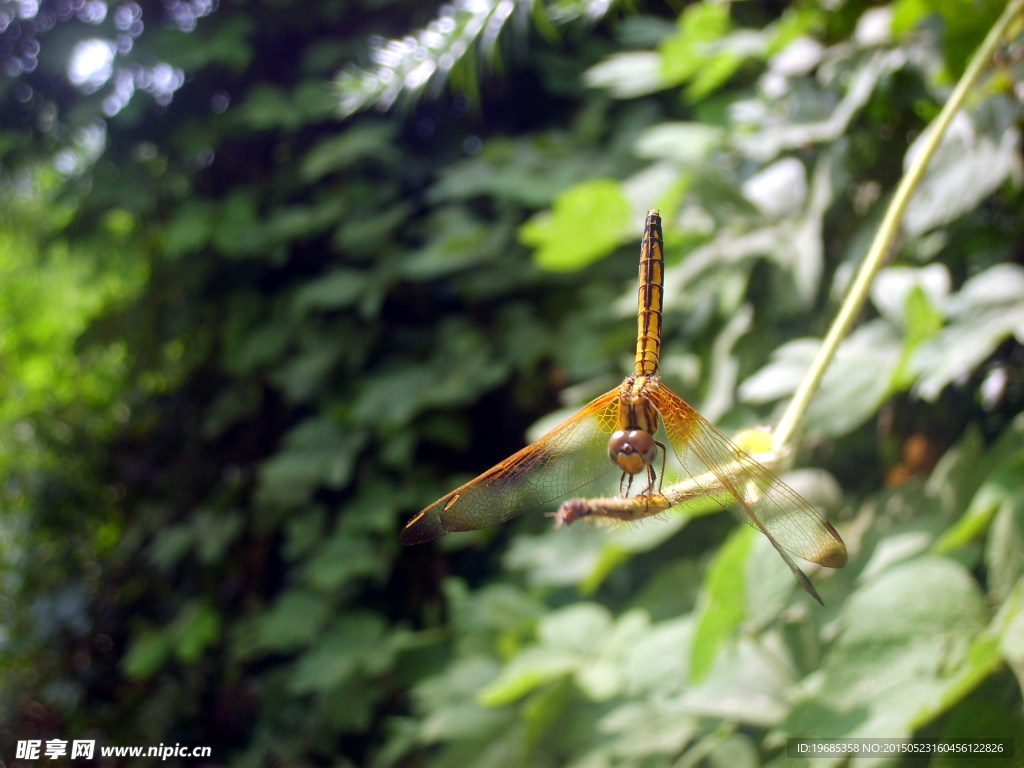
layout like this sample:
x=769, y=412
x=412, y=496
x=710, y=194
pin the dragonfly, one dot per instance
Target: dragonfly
x=617, y=432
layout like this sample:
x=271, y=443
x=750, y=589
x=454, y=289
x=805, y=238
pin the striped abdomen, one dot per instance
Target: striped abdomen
x=649, y=298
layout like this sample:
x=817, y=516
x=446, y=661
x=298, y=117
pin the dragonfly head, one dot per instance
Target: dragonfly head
x=632, y=450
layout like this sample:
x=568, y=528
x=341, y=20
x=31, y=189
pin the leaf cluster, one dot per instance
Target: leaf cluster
x=323, y=325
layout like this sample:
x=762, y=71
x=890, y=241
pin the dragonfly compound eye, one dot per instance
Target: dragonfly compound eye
x=632, y=450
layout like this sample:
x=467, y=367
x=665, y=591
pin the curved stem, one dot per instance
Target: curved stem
x=857, y=294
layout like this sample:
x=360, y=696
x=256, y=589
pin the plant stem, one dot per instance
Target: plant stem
x=882, y=244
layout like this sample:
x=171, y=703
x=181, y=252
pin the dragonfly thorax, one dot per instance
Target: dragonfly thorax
x=632, y=450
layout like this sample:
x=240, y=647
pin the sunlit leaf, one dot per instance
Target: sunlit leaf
x=723, y=604
x=908, y=649
x=854, y=386
x=358, y=144
x=628, y=75
x=684, y=54
x=528, y=671
x=988, y=309
x=1010, y=626
x=684, y=142
x=998, y=493
x=586, y=223
x=969, y=165
x=447, y=700
x=645, y=728
x=1005, y=547
x=146, y=654
x=195, y=629
x=747, y=683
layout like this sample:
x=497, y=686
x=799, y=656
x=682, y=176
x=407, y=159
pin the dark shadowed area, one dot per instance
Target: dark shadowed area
x=277, y=275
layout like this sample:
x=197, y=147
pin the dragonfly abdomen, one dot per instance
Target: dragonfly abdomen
x=650, y=297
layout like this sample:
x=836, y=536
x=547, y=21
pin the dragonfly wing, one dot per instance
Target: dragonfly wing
x=767, y=503
x=568, y=457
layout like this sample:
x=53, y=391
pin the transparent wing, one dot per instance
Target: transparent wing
x=765, y=502
x=568, y=457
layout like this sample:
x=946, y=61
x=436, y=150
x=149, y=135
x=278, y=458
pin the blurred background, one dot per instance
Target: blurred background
x=275, y=275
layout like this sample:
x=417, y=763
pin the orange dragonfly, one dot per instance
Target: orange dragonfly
x=616, y=432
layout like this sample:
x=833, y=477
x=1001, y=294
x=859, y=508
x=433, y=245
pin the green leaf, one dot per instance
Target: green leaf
x=728, y=57
x=545, y=708
x=858, y=381
x=191, y=227
x=357, y=644
x=923, y=321
x=970, y=164
x=601, y=674
x=649, y=727
x=292, y=622
x=448, y=701
x=910, y=297
x=528, y=671
x=722, y=606
x=1009, y=625
x=269, y=106
x=563, y=557
x=732, y=750
x=908, y=649
x=303, y=377
x=170, y=545
x=684, y=54
x=1004, y=551
x=999, y=492
x=236, y=229
x=797, y=21
x=984, y=313
x=657, y=664
x=146, y=654
x=769, y=583
x=818, y=117
x=685, y=143
x=907, y=14
x=854, y=386
x=461, y=242
x=298, y=222
x=970, y=526
x=196, y=627
x=357, y=145
x=586, y=555
x=216, y=531
x=568, y=640
x=316, y=453
x=749, y=682
x=587, y=222
x=922, y=318
x=342, y=559
x=628, y=75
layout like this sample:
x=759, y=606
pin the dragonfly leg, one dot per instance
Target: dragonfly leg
x=654, y=480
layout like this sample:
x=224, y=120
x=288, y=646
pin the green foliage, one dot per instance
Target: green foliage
x=597, y=207
x=446, y=48
x=243, y=341
x=721, y=610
